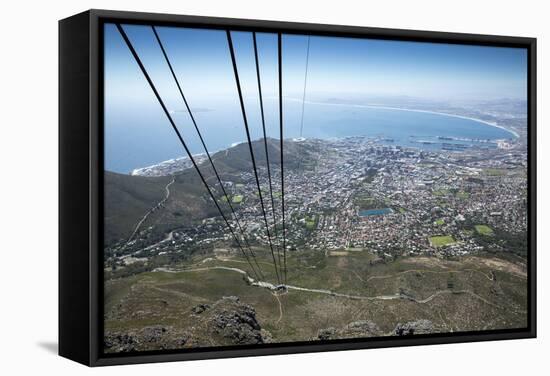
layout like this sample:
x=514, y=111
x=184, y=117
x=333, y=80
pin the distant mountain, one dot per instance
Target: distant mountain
x=235, y=158
x=129, y=197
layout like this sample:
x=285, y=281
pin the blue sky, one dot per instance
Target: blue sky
x=338, y=67
x=343, y=68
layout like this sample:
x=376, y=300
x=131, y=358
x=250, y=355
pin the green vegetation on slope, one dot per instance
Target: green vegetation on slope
x=441, y=241
x=484, y=230
x=471, y=293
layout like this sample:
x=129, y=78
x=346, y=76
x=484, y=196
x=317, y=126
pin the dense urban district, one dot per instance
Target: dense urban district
x=381, y=240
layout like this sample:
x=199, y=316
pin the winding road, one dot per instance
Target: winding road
x=272, y=287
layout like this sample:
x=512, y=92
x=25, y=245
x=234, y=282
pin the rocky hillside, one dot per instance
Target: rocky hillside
x=226, y=322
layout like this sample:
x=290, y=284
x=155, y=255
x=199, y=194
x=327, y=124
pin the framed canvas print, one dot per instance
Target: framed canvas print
x=240, y=187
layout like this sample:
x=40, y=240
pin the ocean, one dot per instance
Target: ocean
x=138, y=139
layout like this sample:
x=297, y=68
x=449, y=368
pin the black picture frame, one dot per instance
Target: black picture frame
x=81, y=185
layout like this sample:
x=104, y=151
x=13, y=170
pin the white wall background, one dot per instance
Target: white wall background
x=28, y=185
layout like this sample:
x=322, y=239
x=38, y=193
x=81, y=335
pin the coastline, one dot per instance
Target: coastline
x=374, y=106
x=138, y=171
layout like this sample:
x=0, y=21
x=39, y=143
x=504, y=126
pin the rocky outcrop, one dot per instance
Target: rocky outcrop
x=226, y=322
x=155, y=337
x=356, y=329
x=416, y=327
x=235, y=321
x=152, y=333
x=198, y=309
x=119, y=343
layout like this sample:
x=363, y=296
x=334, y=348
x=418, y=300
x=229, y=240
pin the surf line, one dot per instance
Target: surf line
x=374, y=106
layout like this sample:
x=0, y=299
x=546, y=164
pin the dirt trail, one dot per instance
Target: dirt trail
x=490, y=278
x=272, y=287
x=280, y=307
